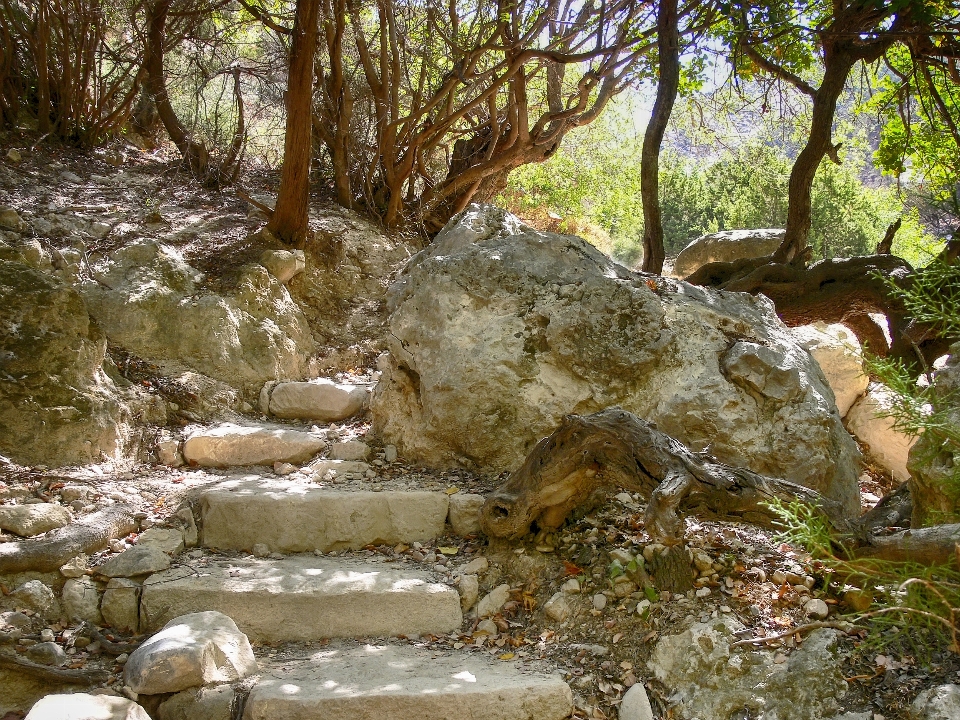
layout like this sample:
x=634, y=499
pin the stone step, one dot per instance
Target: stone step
x=229, y=444
x=398, y=682
x=289, y=517
x=304, y=597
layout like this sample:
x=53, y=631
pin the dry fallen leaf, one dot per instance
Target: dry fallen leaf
x=508, y=656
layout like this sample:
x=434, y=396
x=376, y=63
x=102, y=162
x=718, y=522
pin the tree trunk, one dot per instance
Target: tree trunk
x=837, y=64
x=43, y=80
x=194, y=154
x=289, y=221
x=668, y=49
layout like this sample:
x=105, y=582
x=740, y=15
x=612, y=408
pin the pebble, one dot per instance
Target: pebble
x=493, y=601
x=46, y=653
x=46, y=635
x=703, y=592
x=599, y=601
x=261, y=550
x=571, y=587
x=475, y=566
x=557, y=607
x=816, y=608
x=489, y=627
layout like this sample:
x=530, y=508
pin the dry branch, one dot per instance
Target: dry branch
x=58, y=676
x=89, y=534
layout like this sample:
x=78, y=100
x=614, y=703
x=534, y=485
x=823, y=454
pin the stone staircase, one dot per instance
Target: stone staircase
x=300, y=593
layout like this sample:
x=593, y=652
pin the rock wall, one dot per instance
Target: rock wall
x=148, y=299
x=498, y=330
x=58, y=405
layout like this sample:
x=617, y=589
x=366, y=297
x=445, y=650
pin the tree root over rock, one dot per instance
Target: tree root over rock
x=59, y=676
x=49, y=553
x=614, y=448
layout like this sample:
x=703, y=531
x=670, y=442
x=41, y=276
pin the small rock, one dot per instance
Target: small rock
x=571, y=587
x=190, y=535
x=83, y=706
x=208, y=703
x=81, y=599
x=139, y=560
x=557, y=607
x=635, y=704
x=69, y=493
x=168, y=453
x=11, y=220
x=76, y=567
x=191, y=650
x=703, y=592
x=464, y=513
x=70, y=177
x=390, y=453
x=31, y=520
x=261, y=550
x=816, y=608
x=599, y=601
x=46, y=635
x=47, y=653
x=779, y=577
x=282, y=468
x=120, y=606
x=351, y=450
x=488, y=627
x=13, y=155
x=117, y=546
x=492, y=602
x=320, y=399
x=166, y=540
x=476, y=566
x=34, y=595
x=858, y=600
x=469, y=591
x=15, y=620
x=938, y=703
x=284, y=265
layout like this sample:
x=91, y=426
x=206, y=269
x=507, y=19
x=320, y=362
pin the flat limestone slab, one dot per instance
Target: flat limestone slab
x=230, y=444
x=304, y=597
x=401, y=682
x=293, y=517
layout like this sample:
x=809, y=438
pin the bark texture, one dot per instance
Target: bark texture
x=668, y=51
x=289, y=221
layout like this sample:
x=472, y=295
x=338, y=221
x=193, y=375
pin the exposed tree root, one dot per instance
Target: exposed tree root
x=614, y=448
x=89, y=534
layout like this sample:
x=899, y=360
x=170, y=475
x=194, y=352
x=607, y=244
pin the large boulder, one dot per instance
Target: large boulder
x=726, y=246
x=838, y=352
x=148, y=299
x=58, y=405
x=497, y=331
x=81, y=706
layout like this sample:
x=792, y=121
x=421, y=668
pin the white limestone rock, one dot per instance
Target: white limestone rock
x=469, y=589
x=320, y=399
x=493, y=601
x=497, y=331
x=34, y=519
x=838, y=352
x=938, y=703
x=81, y=599
x=726, y=246
x=230, y=444
x=464, y=513
x=284, y=265
x=120, y=606
x=350, y=451
x=635, y=704
x=138, y=560
x=868, y=421
x=82, y=706
x=190, y=650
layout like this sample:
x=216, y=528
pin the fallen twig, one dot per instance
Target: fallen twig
x=54, y=675
x=834, y=625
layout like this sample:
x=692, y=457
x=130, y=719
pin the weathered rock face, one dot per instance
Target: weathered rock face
x=726, y=246
x=230, y=444
x=708, y=680
x=148, y=299
x=81, y=706
x=839, y=355
x=933, y=460
x=57, y=404
x=497, y=331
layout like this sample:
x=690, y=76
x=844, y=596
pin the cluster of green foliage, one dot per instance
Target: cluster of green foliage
x=595, y=179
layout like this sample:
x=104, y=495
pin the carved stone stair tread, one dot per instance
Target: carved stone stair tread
x=294, y=517
x=305, y=597
x=399, y=682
